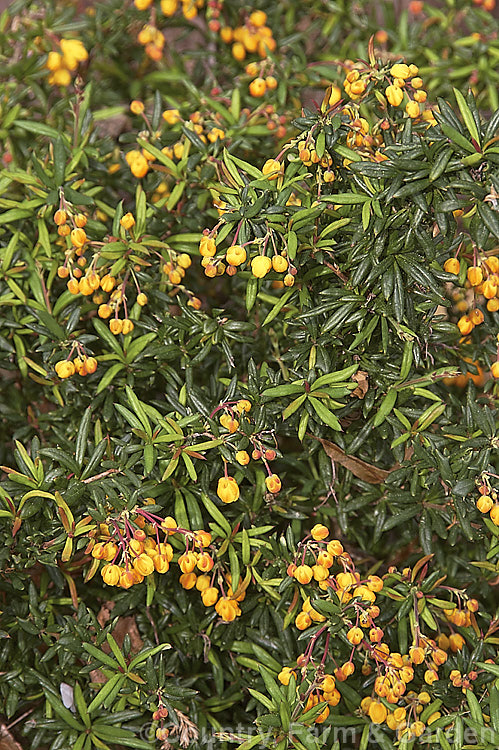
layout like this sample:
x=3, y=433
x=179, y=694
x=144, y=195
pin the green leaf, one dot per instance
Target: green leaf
x=385, y=407
x=474, y=706
x=108, y=377
x=494, y=707
x=249, y=168
x=440, y=164
x=39, y=128
x=278, y=307
x=81, y=705
x=263, y=700
x=251, y=293
x=116, y=651
x=59, y=161
x=15, y=214
x=112, y=684
x=489, y=218
x=143, y=655
x=107, y=337
x=252, y=741
x=120, y=736
x=175, y=195
x=334, y=377
x=444, y=743
x=82, y=436
x=216, y=514
x=324, y=414
x=100, y=655
x=346, y=199
x=139, y=410
x=64, y=713
x=467, y=116
x=289, y=389
x=293, y=406
x=485, y=734
x=456, y=137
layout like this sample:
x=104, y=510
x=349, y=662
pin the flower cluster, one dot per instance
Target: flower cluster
x=92, y=279
x=482, y=279
x=252, y=37
x=152, y=38
x=153, y=41
x=321, y=687
x=134, y=544
x=403, y=86
x=62, y=64
x=353, y=600
x=488, y=502
x=263, y=78
x=81, y=364
x=215, y=589
x=206, y=127
x=227, y=488
x=170, y=7
x=406, y=87
x=236, y=256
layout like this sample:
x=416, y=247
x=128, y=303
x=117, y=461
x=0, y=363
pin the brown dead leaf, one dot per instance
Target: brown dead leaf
x=362, y=379
x=7, y=742
x=123, y=626
x=128, y=626
x=361, y=469
x=97, y=676
x=104, y=614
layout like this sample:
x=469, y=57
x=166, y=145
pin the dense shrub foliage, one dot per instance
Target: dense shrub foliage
x=249, y=307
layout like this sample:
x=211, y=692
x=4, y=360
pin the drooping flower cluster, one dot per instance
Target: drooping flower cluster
x=135, y=544
x=233, y=412
x=356, y=602
x=482, y=279
x=488, y=502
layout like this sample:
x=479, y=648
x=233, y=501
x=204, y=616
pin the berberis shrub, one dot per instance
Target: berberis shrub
x=249, y=308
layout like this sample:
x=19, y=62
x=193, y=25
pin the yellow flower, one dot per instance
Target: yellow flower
x=143, y=564
x=394, y=95
x=111, y=574
x=60, y=77
x=400, y=70
x=228, y=609
x=272, y=169
x=412, y=109
x=209, y=596
x=54, y=61
x=127, y=221
x=236, y=254
x=260, y=266
x=335, y=96
x=73, y=53
x=273, y=483
x=136, y=106
x=227, y=489
x=319, y=532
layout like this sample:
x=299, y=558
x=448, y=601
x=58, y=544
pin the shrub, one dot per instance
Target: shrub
x=250, y=357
